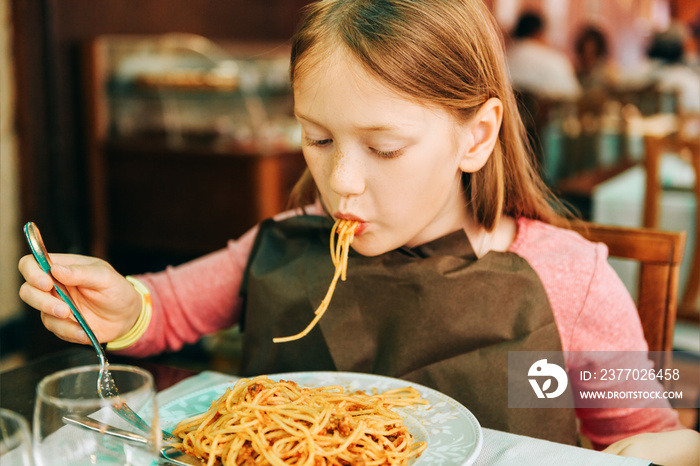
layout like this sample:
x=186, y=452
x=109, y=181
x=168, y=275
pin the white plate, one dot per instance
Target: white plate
x=452, y=432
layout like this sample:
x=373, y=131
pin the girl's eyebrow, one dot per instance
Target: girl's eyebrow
x=371, y=128
x=307, y=118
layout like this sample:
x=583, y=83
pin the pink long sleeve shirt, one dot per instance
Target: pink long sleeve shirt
x=591, y=306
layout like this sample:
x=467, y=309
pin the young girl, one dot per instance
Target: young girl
x=411, y=129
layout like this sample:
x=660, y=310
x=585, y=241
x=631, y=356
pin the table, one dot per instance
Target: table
x=18, y=386
x=17, y=389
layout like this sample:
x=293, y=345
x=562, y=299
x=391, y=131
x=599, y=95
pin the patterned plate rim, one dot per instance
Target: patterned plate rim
x=364, y=379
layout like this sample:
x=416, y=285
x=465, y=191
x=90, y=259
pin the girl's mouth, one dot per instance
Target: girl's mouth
x=362, y=224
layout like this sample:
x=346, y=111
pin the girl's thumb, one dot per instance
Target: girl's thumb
x=85, y=275
x=61, y=273
x=68, y=275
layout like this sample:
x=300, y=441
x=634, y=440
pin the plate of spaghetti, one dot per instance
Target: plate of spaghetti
x=323, y=418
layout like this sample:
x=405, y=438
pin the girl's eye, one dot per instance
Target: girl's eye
x=318, y=142
x=390, y=154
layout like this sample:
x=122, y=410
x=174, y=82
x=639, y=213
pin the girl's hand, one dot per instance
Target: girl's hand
x=107, y=301
x=674, y=448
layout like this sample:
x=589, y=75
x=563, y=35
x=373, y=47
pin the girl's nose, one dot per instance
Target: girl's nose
x=347, y=174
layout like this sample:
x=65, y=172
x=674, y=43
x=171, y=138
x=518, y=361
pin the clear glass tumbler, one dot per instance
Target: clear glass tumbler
x=72, y=394
x=15, y=440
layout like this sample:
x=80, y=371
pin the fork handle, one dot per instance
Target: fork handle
x=41, y=255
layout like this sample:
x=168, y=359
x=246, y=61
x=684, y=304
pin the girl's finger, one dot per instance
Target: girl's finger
x=59, y=258
x=47, y=303
x=95, y=275
x=65, y=329
x=33, y=274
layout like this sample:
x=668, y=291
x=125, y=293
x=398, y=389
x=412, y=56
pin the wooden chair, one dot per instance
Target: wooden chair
x=659, y=254
x=648, y=98
x=684, y=141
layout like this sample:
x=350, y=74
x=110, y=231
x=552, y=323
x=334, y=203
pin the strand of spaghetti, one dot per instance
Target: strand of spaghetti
x=401, y=397
x=344, y=260
x=234, y=448
x=323, y=420
x=299, y=432
x=336, y=255
x=296, y=445
x=339, y=256
x=333, y=252
x=359, y=432
x=346, y=233
x=260, y=445
x=212, y=457
x=284, y=447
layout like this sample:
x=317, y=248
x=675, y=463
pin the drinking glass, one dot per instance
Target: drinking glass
x=15, y=440
x=73, y=393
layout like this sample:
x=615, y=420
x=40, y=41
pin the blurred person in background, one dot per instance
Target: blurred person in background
x=669, y=70
x=535, y=66
x=594, y=69
x=692, y=45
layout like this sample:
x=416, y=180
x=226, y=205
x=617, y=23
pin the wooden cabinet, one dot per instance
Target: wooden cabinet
x=167, y=184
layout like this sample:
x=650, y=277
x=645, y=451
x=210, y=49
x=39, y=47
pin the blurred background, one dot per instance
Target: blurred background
x=149, y=132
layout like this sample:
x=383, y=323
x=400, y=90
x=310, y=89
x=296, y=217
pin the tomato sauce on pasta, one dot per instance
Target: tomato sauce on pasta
x=260, y=422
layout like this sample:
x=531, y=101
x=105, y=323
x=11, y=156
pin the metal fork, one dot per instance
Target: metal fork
x=169, y=454
x=106, y=387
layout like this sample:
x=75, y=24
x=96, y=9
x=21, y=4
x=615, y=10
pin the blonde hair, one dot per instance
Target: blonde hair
x=444, y=52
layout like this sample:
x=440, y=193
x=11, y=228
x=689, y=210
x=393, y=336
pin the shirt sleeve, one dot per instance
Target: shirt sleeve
x=199, y=297
x=194, y=299
x=609, y=321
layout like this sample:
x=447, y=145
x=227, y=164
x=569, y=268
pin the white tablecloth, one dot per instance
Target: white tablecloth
x=498, y=449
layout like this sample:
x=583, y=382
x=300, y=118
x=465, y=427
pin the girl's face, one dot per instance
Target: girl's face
x=379, y=157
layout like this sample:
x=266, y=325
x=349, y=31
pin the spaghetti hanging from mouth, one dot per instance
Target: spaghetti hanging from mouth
x=339, y=255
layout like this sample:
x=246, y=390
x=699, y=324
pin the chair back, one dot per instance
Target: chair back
x=659, y=254
x=649, y=98
x=684, y=141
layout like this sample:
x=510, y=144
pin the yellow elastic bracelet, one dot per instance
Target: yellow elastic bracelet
x=142, y=322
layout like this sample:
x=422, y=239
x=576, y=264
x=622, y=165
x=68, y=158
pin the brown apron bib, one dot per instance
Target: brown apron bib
x=432, y=314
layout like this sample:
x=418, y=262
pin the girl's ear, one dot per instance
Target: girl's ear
x=482, y=134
